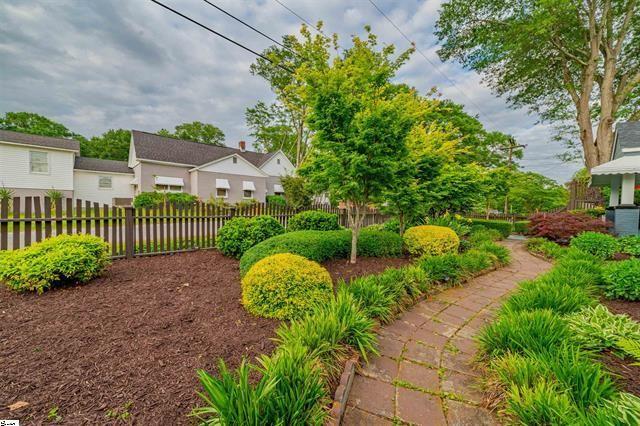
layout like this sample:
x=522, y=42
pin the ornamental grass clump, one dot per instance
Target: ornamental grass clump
x=500, y=252
x=557, y=297
x=601, y=245
x=64, y=259
x=285, y=286
x=621, y=280
x=430, y=240
x=443, y=269
x=474, y=261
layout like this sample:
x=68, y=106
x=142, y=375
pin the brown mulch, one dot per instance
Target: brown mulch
x=132, y=340
x=623, y=307
x=342, y=269
x=625, y=374
x=137, y=334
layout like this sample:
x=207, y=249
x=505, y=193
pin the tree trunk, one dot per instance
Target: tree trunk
x=401, y=222
x=355, y=223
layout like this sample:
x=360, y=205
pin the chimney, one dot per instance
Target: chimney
x=242, y=145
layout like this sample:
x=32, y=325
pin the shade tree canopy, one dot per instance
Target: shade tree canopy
x=196, y=131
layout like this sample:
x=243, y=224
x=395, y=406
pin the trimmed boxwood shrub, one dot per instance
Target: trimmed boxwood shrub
x=430, y=240
x=622, y=280
x=64, y=259
x=324, y=245
x=521, y=226
x=504, y=227
x=285, y=286
x=601, y=245
x=312, y=220
x=240, y=234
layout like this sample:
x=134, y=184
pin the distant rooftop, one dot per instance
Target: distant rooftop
x=37, y=140
x=99, y=165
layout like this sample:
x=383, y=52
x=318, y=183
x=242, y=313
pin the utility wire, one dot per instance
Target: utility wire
x=248, y=25
x=222, y=36
x=430, y=61
x=293, y=12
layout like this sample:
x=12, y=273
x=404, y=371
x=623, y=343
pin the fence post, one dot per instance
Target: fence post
x=232, y=212
x=129, y=231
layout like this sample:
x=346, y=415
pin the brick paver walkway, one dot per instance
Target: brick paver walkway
x=424, y=374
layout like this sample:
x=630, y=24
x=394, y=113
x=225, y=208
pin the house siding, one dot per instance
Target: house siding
x=272, y=180
x=145, y=173
x=272, y=168
x=14, y=169
x=86, y=186
x=207, y=186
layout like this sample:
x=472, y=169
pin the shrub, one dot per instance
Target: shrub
x=558, y=297
x=240, y=234
x=442, y=269
x=63, y=259
x=430, y=240
x=598, y=329
x=474, y=261
x=561, y=227
x=521, y=226
x=276, y=200
x=153, y=199
x=392, y=225
x=544, y=247
x=622, y=280
x=460, y=225
x=630, y=245
x=500, y=252
x=601, y=245
x=519, y=332
x=147, y=200
x=504, y=227
x=312, y=220
x=375, y=300
x=480, y=234
x=285, y=286
x=320, y=246
x=575, y=273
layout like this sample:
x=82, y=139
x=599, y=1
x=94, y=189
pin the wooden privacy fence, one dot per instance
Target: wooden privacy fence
x=496, y=216
x=136, y=231
x=583, y=196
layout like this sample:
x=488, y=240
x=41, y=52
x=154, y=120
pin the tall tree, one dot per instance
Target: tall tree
x=360, y=124
x=197, y=132
x=271, y=129
x=111, y=145
x=34, y=124
x=573, y=60
x=281, y=71
x=531, y=192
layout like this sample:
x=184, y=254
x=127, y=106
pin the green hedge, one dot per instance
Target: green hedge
x=503, y=226
x=324, y=245
x=521, y=226
x=312, y=220
x=241, y=233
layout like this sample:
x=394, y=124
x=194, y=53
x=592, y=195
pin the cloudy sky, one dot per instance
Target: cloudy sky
x=96, y=65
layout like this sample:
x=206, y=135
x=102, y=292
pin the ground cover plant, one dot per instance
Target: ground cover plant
x=598, y=244
x=240, y=234
x=630, y=245
x=64, y=259
x=544, y=247
x=622, y=280
x=312, y=220
x=430, y=240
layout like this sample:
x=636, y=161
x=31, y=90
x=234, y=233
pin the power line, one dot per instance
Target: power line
x=429, y=61
x=248, y=25
x=293, y=12
x=222, y=36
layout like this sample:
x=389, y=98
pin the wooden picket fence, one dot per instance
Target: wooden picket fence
x=136, y=231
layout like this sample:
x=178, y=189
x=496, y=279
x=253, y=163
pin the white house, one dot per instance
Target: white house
x=31, y=165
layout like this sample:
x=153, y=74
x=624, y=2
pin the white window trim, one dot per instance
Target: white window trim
x=226, y=192
x=48, y=172
x=245, y=197
x=102, y=188
x=159, y=189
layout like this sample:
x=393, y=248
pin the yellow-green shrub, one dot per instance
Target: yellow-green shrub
x=431, y=240
x=285, y=286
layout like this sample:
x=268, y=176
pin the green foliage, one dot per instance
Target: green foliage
x=34, y=124
x=542, y=404
x=576, y=273
x=197, y=132
x=240, y=234
x=628, y=245
x=524, y=331
x=504, y=227
x=64, y=259
x=154, y=199
x=598, y=329
x=430, y=240
x=458, y=188
x=323, y=245
x=532, y=192
x=546, y=248
x=442, y=269
x=601, y=245
x=460, y=225
x=297, y=192
x=475, y=261
x=480, y=234
x=558, y=297
x=276, y=200
x=622, y=280
x=500, y=252
x=274, y=129
x=521, y=226
x=6, y=194
x=630, y=347
x=312, y=220
x=111, y=145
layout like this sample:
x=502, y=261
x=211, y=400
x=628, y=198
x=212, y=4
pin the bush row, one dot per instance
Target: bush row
x=539, y=348
x=504, y=227
x=296, y=378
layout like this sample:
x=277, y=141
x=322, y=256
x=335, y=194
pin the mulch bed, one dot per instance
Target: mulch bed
x=625, y=374
x=623, y=307
x=132, y=340
x=342, y=269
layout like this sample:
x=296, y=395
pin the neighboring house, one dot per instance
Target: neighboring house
x=31, y=165
x=208, y=171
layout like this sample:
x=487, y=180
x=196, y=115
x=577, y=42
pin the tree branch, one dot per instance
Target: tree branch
x=627, y=83
x=625, y=27
x=558, y=45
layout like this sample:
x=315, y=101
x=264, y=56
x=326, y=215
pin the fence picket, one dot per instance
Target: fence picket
x=16, y=225
x=27, y=225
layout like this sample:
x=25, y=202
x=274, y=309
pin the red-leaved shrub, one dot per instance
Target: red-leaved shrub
x=560, y=227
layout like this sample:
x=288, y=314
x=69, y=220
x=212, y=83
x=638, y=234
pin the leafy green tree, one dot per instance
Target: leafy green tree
x=34, y=124
x=459, y=188
x=296, y=191
x=566, y=60
x=289, y=85
x=111, y=145
x=272, y=129
x=197, y=132
x=360, y=126
x=532, y=192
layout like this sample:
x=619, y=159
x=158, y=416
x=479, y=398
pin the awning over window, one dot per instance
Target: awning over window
x=248, y=185
x=166, y=180
x=278, y=188
x=222, y=184
x=134, y=181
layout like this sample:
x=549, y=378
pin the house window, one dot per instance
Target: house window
x=169, y=188
x=247, y=193
x=278, y=161
x=221, y=193
x=105, y=182
x=38, y=162
x=235, y=160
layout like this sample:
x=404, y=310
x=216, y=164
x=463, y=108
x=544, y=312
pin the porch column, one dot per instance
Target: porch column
x=628, y=187
x=614, y=198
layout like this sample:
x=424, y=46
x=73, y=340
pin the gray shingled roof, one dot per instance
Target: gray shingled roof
x=150, y=146
x=98, y=165
x=627, y=136
x=37, y=140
